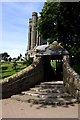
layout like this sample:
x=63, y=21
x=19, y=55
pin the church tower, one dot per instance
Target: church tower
x=34, y=38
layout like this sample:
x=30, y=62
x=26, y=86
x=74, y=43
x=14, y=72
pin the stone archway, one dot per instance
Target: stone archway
x=50, y=52
x=49, y=72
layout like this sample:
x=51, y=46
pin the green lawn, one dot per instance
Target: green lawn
x=7, y=70
x=53, y=64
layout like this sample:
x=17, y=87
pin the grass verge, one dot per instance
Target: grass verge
x=6, y=69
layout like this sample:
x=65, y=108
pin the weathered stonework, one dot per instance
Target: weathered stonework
x=70, y=78
x=23, y=80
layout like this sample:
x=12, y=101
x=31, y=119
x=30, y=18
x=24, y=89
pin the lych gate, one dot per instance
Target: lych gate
x=50, y=54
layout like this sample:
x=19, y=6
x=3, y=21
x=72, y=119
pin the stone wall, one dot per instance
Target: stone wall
x=34, y=74
x=71, y=79
x=23, y=80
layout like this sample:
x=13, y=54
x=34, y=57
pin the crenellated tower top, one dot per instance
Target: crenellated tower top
x=34, y=13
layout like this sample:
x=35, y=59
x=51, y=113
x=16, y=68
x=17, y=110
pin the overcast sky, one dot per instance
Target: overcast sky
x=15, y=16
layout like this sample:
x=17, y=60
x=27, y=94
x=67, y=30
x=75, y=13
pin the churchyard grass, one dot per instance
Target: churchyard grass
x=75, y=66
x=6, y=68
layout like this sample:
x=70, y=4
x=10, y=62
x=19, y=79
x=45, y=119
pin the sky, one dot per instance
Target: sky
x=14, y=17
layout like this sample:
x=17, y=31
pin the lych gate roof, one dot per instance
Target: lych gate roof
x=41, y=47
x=53, y=49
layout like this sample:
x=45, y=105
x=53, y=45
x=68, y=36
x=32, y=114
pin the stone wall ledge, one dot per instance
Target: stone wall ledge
x=71, y=79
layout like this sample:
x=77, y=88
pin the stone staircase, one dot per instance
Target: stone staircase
x=46, y=93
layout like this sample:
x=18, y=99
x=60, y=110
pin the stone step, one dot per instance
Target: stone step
x=52, y=83
x=48, y=90
x=45, y=101
x=51, y=90
x=43, y=95
x=49, y=86
x=23, y=98
x=36, y=89
x=50, y=102
x=47, y=93
x=31, y=93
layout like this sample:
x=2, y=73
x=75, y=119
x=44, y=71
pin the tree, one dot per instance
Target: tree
x=69, y=22
x=47, y=25
x=20, y=55
x=14, y=65
x=10, y=59
x=70, y=29
x=4, y=56
x=61, y=21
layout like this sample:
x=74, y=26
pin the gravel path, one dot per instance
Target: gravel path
x=16, y=109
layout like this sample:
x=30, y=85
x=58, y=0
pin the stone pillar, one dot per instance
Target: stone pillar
x=37, y=38
x=34, y=30
x=29, y=34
